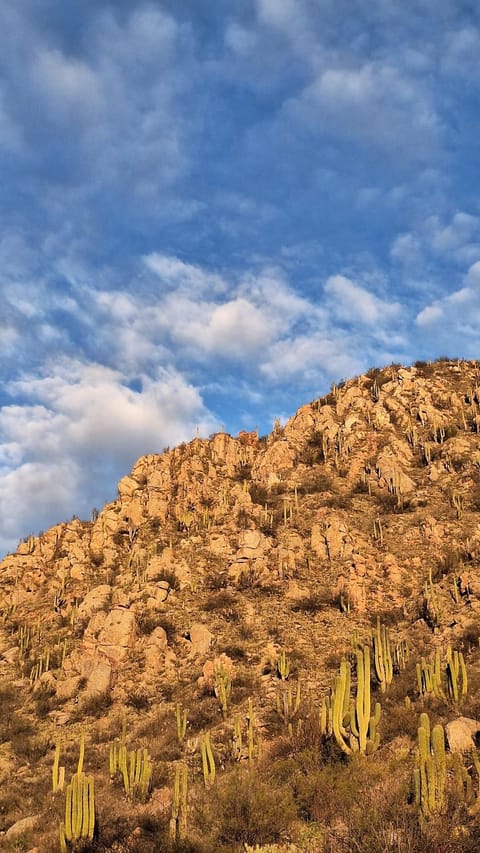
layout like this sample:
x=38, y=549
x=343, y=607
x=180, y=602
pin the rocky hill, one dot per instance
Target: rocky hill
x=210, y=613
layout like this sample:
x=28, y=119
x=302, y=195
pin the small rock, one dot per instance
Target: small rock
x=26, y=824
x=461, y=733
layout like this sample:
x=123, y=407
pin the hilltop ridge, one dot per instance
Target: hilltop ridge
x=231, y=552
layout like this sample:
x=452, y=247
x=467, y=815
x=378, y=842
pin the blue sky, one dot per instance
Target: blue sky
x=211, y=211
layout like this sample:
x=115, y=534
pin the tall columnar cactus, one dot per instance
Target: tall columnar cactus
x=382, y=656
x=237, y=738
x=208, y=761
x=253, y=746
x=354, y=726
x=58, y=773
x=325, y=716
x=136, y=770
x=401, y=654
x=448, y=682
x=223, y=687
x=79, y=810
x=429, y=677
x=430, y=775
x=283, y=665
x=431, y=605
x=244, y=748
x=181, y=721
x=456, y=672
x=288, y=704
x=178, y=821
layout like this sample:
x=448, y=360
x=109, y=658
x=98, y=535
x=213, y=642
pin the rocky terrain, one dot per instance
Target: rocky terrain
x=202, y=619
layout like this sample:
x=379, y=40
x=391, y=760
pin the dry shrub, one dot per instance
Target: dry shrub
x=244, y=809
x=223, y=603
x=313, y=603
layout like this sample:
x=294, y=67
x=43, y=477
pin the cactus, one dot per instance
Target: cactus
x=431, y=608
x=237, y=738
x=456, y=671
x=248, y=749
x=430, y=776
x=378, y=530
x=288, y=704
x=58, y=773
x=430, y=677
x=208, y=761
x=457, y=503
x=223, y=687
x=181, y=721
x=283, y=666
x=252, y=746
x=178, y=821
x=81, y=754
x=136, y=770
x=79, y=810
x=401, y=654
x=354, y=727
x=326, y=723
x=382, y=656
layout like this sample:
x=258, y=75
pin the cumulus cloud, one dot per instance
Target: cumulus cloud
x=355, y=304
x=454, y=238
x=455, y=315
x=311, y=358
x=375, y=104
x=86, y=427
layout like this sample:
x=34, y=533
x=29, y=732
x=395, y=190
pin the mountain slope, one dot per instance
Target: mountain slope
x=220, y=555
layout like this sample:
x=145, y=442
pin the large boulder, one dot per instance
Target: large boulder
x=118, y=634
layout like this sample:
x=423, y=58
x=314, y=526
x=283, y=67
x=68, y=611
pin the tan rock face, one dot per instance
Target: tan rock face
x=97, y=599
x=98, y=673
x=201, y=639
x=118, y=634
x=330, y=537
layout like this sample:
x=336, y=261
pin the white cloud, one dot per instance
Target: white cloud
x=70, y=87
x=429, y=315
x=176, y=273
x=456, y=238
x=455, y=317
x=310, y=357
x=354, y=304
x=374, y=104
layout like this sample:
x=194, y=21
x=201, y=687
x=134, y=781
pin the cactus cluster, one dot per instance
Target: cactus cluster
x=288, y=704
x=448, y=682
x=222, y=687
x=79, y=824
x=430, y=775
x=382, y=656
x=135, y=768
x=208, y=761
x=79, y=811
x=283, y=665
x=353, y=724
x=238, y=750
